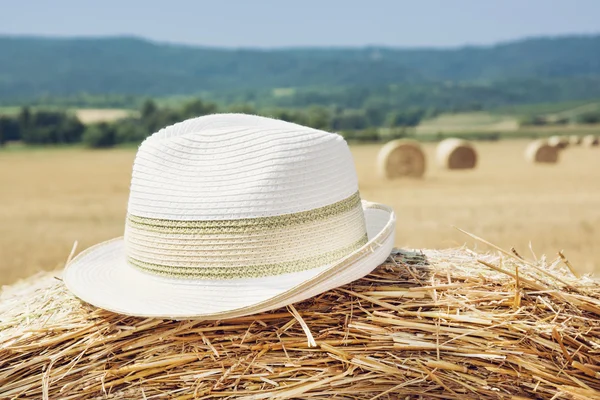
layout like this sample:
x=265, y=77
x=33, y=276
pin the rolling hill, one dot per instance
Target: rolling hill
x=538, y=69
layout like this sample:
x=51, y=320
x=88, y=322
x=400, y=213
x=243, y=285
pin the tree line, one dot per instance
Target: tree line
x=46, y=127
x=584, y=118
x=41, y=127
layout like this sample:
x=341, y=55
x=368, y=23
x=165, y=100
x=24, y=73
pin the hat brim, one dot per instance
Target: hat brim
x=102, y=277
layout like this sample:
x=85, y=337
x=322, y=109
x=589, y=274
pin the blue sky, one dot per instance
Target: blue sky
x=270, y=23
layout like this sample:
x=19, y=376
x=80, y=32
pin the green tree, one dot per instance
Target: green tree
x=24, y=118
x=149, y=108
x=588, y=117
x=130, y=131
x=376, y=109
x=349, y=120
x=162, y=118
x=197, y=108
x=242, y=109
x=318, y=117
x=533, y=120
x=71, y=129
x=365, y=135
x=9, y=129
x=410, y=117
x=49, y=127
x=100, y=135
x=295, y=116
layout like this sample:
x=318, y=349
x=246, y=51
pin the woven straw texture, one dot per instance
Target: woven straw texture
x=229, y=212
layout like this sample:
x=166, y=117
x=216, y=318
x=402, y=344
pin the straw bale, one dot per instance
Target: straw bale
x=575, y=140
x=449, y=324
x=590, y=141
x=560, y=142
x=539, y=151
x=456, y=154
x=401, y=158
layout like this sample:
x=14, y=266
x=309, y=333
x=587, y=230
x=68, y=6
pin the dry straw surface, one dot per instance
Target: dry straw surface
x=449, y=324
x=456, y=154
x=401, y=158
x=540, y=151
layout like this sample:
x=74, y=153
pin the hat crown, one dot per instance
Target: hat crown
x=232, y=196
x=235, y=166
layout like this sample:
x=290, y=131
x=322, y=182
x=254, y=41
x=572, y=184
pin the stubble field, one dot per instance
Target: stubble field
x=51, y=197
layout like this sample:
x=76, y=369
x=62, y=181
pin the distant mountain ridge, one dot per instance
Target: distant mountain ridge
x=31, y=66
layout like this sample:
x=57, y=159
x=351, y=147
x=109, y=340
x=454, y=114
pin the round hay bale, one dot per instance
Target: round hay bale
x=456, y=154
x=575, y=140
x=560, y=142
x=589, y=141
x=401, y=158
x=540, y=151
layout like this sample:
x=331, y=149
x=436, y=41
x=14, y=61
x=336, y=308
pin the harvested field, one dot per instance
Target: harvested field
x=50, y=198
x=93, y=115
x=449, y=324
x=506, y=200
x=85, y=115
x=466, y=122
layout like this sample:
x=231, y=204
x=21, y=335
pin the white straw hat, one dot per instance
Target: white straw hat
x=231, y=215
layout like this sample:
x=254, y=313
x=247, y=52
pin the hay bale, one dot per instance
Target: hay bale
x=539, y=151
x=574, y=140
x=560, y=142
x=401, y=158
x=590, y=141
x=456, y=154
x=446, y=324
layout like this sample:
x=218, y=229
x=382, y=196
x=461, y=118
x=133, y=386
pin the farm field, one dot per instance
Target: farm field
x=85, y=115
x=51, y=197
x=467, y=122
x=506, y=123
x=93, y=115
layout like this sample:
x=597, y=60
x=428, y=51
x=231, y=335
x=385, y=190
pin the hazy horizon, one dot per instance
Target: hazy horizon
x=300, y=47
x=268, y=24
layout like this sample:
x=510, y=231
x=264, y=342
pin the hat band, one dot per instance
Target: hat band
x=249, y=271
x=246, y=248
x=241, y=226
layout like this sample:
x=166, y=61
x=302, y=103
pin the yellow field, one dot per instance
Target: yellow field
x=50, y=198
x=484, y=122
x=85, y=115
x=93, y=115
x=469, y=122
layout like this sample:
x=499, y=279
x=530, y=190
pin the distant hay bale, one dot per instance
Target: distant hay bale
x=574, y=140
x=449, y=324
x=401, y=158
x=539, y=151
x=456, y=154
x=560, y=142
x=590, y=141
